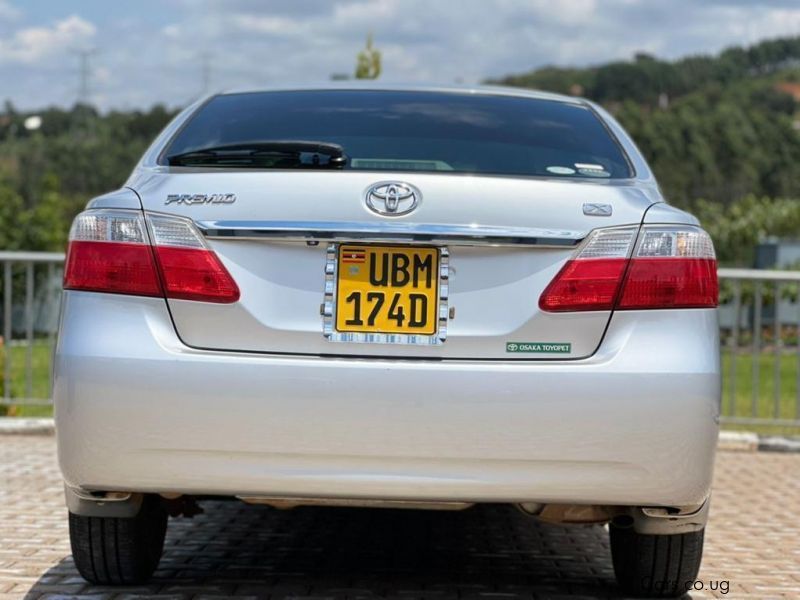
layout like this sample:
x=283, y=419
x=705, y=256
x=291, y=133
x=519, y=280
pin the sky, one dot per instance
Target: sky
x=156, y=51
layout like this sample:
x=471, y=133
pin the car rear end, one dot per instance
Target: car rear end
x=403, y=297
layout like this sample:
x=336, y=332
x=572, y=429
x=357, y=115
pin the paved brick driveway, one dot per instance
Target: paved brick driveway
x=489, y=554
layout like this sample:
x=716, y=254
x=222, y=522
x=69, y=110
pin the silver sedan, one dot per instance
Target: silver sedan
x=390, y=297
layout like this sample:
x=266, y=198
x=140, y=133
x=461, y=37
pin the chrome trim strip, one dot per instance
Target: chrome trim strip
x=329, y=309
x=474, y=235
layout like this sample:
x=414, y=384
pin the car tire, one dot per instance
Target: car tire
x=117, y=551
x=655, y=566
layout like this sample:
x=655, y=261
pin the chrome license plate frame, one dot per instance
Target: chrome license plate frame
x=329, y=307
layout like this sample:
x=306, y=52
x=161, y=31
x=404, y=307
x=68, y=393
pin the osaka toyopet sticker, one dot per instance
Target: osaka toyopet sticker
x=540, y=347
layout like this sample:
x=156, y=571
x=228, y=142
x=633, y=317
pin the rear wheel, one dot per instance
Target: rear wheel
x=655, y=566
x=111, y=550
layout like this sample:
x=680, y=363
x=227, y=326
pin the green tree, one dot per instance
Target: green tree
x=46, y=176
x=368, y=62
x=737, y=228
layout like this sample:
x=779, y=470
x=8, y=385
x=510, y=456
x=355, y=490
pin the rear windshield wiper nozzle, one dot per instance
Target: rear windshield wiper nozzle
x=272, y=154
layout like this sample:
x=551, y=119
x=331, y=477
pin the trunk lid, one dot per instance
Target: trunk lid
x=492, y=290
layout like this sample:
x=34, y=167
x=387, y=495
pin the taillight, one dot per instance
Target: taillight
x=672, y=267
x=591, y=280
x=110, y=251
x=189, y=268
x=669, y=267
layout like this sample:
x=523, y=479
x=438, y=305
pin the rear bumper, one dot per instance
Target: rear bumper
x=136, y=410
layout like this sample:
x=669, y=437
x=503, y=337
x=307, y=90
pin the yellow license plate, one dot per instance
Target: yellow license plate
x=387, y=289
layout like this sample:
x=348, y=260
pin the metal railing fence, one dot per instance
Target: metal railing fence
x=760, y=337
x=31, y=287
x=759, y=329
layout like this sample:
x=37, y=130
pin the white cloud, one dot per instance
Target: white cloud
x=36, y=43
x=267, y=25
x=748, y=27
x=102, y=75
x=151, y=50
x=171, y=31
x=8, y=12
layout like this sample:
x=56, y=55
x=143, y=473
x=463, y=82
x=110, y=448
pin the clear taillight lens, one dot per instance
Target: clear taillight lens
x=110, y=251
x=669, y=267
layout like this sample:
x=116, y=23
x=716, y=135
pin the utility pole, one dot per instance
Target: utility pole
x=205, y=59
x=83, y=125
x=84, y=74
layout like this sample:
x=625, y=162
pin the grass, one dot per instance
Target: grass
x=741, y=402
x=742, y=399
x=41, y=352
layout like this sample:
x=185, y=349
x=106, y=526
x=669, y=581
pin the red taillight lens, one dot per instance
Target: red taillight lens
x=109, y=251
x=195, y=274
x=589, y=284
x=671, y=267
x=670, y=283
x=121, y=268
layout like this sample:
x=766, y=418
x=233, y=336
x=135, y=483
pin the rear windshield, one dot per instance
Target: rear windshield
x=418, y=131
